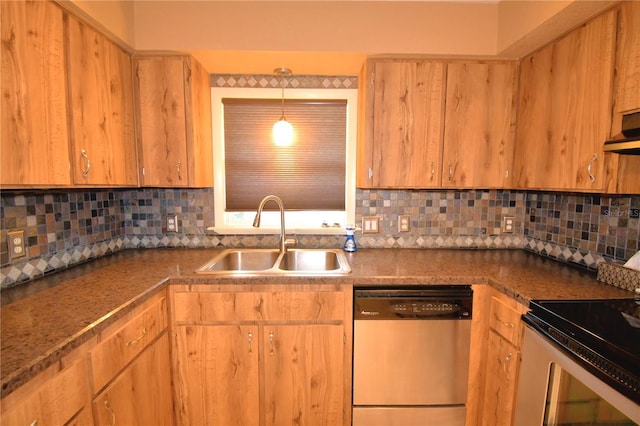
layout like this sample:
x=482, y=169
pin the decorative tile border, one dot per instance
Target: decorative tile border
x=270, y=81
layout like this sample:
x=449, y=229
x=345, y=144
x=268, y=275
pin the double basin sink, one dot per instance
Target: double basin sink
x=272, y=262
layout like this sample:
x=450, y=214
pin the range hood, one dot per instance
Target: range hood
x=629, y=141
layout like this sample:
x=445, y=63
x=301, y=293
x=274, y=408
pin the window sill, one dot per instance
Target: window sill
x=289, y=231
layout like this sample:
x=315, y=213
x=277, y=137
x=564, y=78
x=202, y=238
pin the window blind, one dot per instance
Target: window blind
x=308, y=175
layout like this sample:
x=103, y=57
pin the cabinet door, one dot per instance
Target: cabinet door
x=503, y=361
x=627, y=97
x=56, y=402
x=480, y=119
x=101, y=88
x=303, y=369
x=628, y=57
x=160, y=86
x=217, y=375
x=565, y=110
x=407, y=120
x=35, y=140
x=141, y=394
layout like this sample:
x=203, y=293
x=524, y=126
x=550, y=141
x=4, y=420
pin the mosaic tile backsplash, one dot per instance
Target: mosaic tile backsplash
x=63, y=228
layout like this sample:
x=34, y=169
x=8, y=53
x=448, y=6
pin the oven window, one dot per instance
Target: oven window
x=570, y=402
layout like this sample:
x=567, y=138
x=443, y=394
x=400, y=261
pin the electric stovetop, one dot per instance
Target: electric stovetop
x=603, y=335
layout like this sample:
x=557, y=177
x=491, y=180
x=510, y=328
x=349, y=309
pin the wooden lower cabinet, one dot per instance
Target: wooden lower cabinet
x=303, y=372
x=141, y=393
x=261, y=358
x=494, y=365
x=503, y=364
x=60, y=399
x=218, y=374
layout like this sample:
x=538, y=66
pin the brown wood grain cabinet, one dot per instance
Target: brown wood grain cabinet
x=55, y=400
x=173, y=99
x=437, y=124
x=479, y=124
x=401, y=140
x=495, y=357
x=101, y=105
x=272, y=357
x=564, y=111
x=35, y=139
x=141, y=393
x=627, y=92
x=131, y=369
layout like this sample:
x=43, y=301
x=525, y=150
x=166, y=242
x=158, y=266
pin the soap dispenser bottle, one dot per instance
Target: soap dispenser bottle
x=350, y=242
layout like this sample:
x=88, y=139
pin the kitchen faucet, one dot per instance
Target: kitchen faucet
x=284, y=241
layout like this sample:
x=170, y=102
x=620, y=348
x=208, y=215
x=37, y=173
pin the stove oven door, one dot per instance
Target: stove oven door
x=555, y=390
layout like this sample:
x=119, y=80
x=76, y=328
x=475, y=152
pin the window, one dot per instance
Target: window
x=315, y=176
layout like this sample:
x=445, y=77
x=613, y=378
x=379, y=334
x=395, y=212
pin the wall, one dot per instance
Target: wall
x=70, y=227
x=332, y=37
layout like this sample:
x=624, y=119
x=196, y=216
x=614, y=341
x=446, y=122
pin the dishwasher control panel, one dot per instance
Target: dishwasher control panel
x=432, y=302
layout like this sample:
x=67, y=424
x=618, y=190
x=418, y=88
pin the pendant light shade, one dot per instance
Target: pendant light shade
x=282, y=129
x=283, y=132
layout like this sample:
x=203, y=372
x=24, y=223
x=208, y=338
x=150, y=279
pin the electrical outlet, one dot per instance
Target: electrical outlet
x=370, y=224
x=172, y=223
x=508, y=224
x=15, y=244
x=404, y=223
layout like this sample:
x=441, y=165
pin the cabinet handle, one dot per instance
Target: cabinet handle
x=450, y=172
x=370, y=173
x=34, y=423
x=506, y=174
x=504, y=365
x=506, y=324
x=433, y=171
x=136, y=340
x=179, y=170
x=87, y=163
x=107, y=405
x=592, y=178
x=250, y=336
x=271, y=348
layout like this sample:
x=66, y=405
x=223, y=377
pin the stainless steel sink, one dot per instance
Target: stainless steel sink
x=310, y=260
x=272, y=262
x=242, y=260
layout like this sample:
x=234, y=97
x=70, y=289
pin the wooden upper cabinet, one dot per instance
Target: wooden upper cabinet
x=628, y=57
x=35, y=140
x=101, y=96
x=479, y=128
x=627, y=98
x=174, y=121
x=564, y=112
x=402, y=142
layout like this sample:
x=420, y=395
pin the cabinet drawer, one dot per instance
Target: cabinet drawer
x=114, y=352
x=55, y=402
x=259, y=306
x=505, y=321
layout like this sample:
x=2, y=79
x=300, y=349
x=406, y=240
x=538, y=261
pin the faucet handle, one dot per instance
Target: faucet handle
x=290, y=242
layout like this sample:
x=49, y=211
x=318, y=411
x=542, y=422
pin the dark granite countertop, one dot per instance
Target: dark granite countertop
x=43, y=320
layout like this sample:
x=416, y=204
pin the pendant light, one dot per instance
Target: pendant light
x=282, y=130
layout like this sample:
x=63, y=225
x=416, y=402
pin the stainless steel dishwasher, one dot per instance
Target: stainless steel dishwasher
x=411, y=355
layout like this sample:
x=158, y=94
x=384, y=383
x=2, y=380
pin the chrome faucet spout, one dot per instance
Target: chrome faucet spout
x=284, y=242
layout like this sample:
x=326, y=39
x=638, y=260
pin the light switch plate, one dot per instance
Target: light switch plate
x=370, y=224
x=15, y=244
